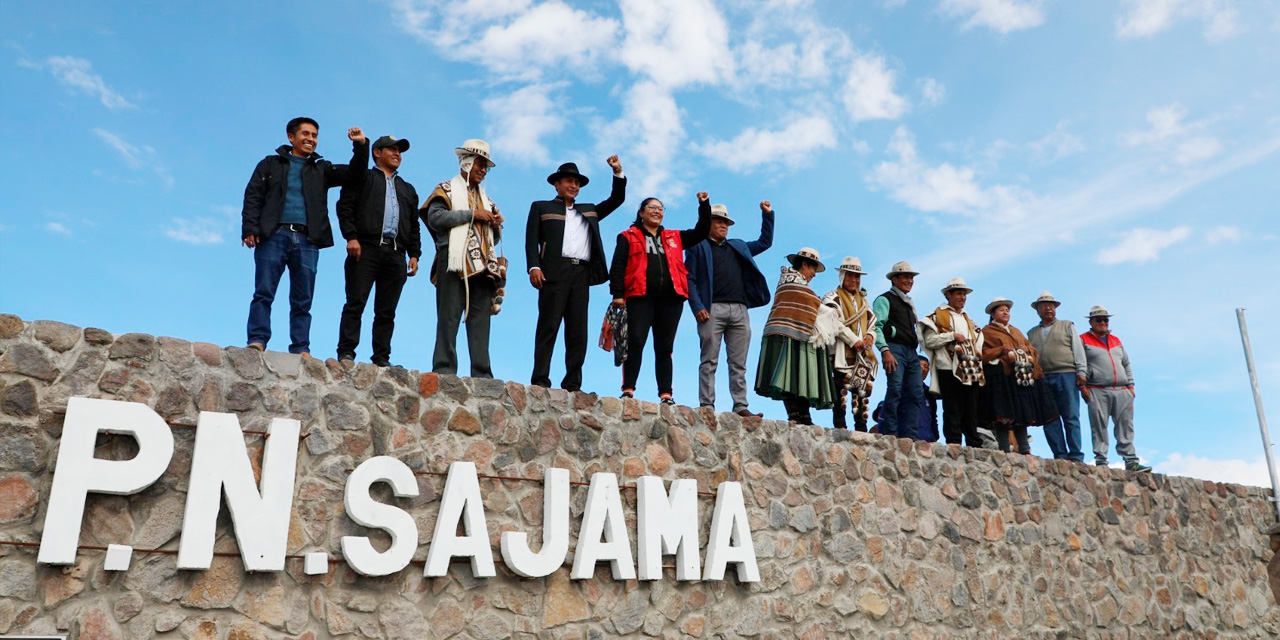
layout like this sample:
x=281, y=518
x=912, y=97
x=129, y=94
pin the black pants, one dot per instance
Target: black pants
x=662, y=314
x=1002, y=431
x=384, y=266
x=451, y=303
x=959, y=409
x=564, y=298
x=843, y=399
x=798, y=410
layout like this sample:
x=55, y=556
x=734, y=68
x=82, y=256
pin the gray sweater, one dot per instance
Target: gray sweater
x=1060, y=348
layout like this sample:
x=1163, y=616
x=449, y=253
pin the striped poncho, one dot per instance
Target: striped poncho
x=795, y=308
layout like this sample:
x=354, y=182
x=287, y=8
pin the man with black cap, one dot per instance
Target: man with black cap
x=724, y=282
x=566, y=258
x=377, y=216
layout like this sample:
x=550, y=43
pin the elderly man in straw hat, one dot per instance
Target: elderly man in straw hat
x=853, y=356
x=793, y=364
x=1108, y=389
x=724, y=282
x=897, y=341
x=1063, y=362
x=954, y=344
x=468, y=270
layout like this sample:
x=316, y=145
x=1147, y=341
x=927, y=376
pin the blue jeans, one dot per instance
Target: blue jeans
x=1063, y=434
x=901, y=413
x=284, y=249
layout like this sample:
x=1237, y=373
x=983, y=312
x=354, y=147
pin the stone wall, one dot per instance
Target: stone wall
x=857, y=535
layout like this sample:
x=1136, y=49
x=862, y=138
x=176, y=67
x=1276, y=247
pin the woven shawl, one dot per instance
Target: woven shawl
x=795, y=308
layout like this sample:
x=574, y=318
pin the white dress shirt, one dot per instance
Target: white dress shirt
x=577, y=237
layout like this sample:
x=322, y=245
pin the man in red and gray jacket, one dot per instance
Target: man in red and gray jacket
x=1109, y=391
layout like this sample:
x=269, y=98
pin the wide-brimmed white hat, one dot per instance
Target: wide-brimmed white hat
x=901, y=269
x=1000, y=300
x=956, y=283
x=851, y=264
x=722, y=212
x=1098, y=311
x=808, y=253
x=475, y=147
x=1045, y=296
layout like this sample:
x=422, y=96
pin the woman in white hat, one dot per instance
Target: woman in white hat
x=1015, y=396
x=793, y=365
x=649, y=278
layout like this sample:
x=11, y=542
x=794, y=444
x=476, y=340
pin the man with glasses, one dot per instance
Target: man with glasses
x=1109, y=391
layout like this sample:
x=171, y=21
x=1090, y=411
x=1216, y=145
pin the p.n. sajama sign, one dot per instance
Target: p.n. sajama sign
x=667, y=522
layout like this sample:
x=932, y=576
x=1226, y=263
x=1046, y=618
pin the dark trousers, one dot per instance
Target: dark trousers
x=451, y=302
x=662, y=314
x=959, y=409
x=901, y=413
x=797, y=410
x=564, y=298
x=382, y=265
x=1019, y=432
x=843, y=399
x=285, y=249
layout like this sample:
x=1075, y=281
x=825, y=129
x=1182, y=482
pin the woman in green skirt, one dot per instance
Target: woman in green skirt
x=793, y=366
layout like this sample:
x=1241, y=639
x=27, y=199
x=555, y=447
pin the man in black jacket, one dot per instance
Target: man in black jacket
x=377, y=214
x=285, y=221
x=566, y=257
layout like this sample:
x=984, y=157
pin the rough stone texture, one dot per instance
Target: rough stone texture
x=857, y=535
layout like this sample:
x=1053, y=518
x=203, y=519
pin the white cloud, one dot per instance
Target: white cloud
x=1169, y=132
x=932, y=91
x=649, y=129
x=1223, y=234
x=519, y=122
x=755, y=148
x=943, y=188
x=785, y=43
x=1058, y=144
x=1248, y=472
x=58, y=228
x=134, y=156
x=869, y=91
x=78, y=75
x=1142, y=245
x=197, y=231
x=676, y=42
x=1001, y=16
x=1145, y=18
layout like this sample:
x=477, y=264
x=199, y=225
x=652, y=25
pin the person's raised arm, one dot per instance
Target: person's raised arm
x=761, y=245
x=617, y=193
x=336, y=175
x=699, y=232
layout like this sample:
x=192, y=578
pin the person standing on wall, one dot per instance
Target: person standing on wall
x=467, y=270
x=1063, y=361
x=566, y=258
x=649, y=277
x=1109, y=390
x=285, y=220
x=793, y=365
x=377, y=216
x=724, y=282
x=853, y=356
x=897, y=341
x=1014, y=396
x=954, y=345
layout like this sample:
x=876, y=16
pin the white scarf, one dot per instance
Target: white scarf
x=458, y=201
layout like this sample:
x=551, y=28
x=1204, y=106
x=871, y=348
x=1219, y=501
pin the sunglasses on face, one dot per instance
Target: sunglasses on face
x=1102, y=320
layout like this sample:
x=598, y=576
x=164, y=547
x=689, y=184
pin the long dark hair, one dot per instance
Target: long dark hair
x=639, y=212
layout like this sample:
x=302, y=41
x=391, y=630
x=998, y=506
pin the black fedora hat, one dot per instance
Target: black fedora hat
x=568, y=170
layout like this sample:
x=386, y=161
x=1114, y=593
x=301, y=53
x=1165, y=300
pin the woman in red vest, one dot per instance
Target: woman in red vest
x=648, y=276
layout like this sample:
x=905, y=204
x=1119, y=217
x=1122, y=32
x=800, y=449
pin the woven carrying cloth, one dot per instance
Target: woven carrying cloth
x=613, y=334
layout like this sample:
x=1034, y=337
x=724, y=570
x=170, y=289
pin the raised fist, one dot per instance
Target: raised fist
x=702, y=196
x=614, y=163
x=355, y=134
x=766, y=206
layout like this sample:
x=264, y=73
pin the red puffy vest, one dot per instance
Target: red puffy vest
x=638, y=262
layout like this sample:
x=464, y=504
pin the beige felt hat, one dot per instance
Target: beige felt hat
x=851, y=264
x=722, y=212
x=901, y=269
x=1045, y=297
x=956, y=283
x=1098, y=311
x=1000, y=300
x=475, y=147
x=807, y=253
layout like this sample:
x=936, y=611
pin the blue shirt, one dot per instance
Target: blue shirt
x=391, y=209
x=295, y=208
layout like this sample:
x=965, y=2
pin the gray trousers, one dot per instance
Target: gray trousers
x=1116, y=404
x=728, y=322
x=451, y=296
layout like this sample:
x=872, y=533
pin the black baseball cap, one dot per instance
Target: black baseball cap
x=389, y=141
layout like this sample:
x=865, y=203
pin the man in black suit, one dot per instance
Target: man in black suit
x=378, y=215
x=566, y=257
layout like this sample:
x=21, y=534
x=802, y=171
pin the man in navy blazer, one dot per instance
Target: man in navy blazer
x=566, y=258
x=724, y=282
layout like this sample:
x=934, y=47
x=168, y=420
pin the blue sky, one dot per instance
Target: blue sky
x=1118, y=153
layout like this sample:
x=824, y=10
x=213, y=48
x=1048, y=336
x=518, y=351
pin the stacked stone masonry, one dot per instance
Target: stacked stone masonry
x=857, y=536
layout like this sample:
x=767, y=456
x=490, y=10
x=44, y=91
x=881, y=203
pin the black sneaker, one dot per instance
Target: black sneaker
x=668, y=401
x=628, y=394
x=1101, y=463
x=1136, y=466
